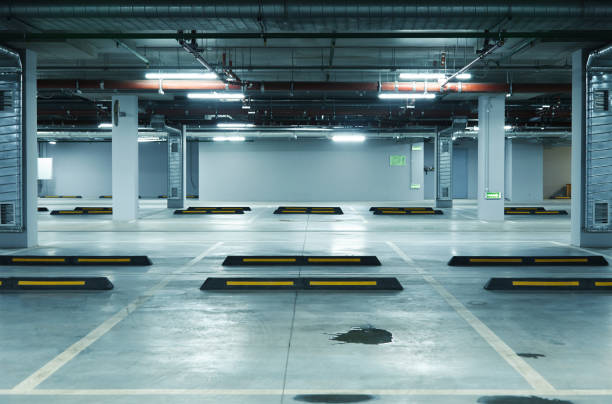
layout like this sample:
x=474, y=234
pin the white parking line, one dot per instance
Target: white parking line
x=275, y=392
x=60, y=360
x=532, y=377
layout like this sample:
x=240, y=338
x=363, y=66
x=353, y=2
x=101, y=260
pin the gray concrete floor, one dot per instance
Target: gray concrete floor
x=157, y=338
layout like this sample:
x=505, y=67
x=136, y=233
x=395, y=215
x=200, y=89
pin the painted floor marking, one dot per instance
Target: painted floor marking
x=278, y=392
x=535, y=379
x=72, y=351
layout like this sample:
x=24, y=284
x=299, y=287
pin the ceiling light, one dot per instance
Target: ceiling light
x=149, y=139
x=402, y=96
x=182, y=76
x=251, y=112
x=235, y=125
x=52, y=142
x=545, y=106
x=433, y=76
x=246, y=107
x=507, y=127
x=216, y=96
x=229, y=138
x=105, y=126
x=348, y=138
x=424, y=76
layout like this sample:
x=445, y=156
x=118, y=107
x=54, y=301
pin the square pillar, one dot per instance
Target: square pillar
x=417, y=172
x=125, y=157
x=19, y=190
x=491, y=165
x=591, y=192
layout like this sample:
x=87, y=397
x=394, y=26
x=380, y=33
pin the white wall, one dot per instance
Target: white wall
x=84, y=168
x=527, y=174
x=472, y=165
x=557, y=168
x=304, y=170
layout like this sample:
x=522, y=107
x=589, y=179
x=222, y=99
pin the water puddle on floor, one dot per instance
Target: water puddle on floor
x=520, y=400
x=531, y=355
x=333, y=398
x=367, y=335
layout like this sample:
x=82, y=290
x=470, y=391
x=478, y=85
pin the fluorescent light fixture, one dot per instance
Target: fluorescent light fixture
x=348, y=138
x=246, y=107
x=229, y=138
x=251, y=112
x=545, y=106
x=216, y=96
x=507, y=127
x=182, y=76
x=464, y=76
x=403, y=96
x=424, y=76
x=508, y=95
x=235, y=125
x=433, y=76
x=52, y=142
x=149, y=139
x=105, y=126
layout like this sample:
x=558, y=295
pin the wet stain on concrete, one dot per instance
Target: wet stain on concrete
x=368, y=335
x=531, y=355
x=520, y=400
x=333, y=398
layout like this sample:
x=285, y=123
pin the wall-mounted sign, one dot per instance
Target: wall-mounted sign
x=397, y=160
x=416, y=147
x=493, y=195
x=415, y=186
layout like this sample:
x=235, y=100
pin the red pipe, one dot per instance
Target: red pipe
x=419, y=87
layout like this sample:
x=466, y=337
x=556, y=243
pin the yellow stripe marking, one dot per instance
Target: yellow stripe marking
x=68, y=212
x=50, y=283
x=259, y=283
x=496, y=260
x=104, y=259
x=561, y=260
x=603, y=283
x=395, y=212
x=268, y=260
x=39, y=260
x=557, y=283
x=334, y=259
x=342, y=283
x=546, y=212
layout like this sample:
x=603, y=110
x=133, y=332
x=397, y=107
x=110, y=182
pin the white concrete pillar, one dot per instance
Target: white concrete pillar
x=19, y=190
x=125, y=157
x=417, y=172
x=491, y=166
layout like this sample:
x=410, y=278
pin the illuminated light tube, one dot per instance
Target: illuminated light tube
x=182, y=76
x=235, y=125
x=433, y=76
x=52, y=142
x=402, y=96
x=348, y=138
x=105, y=126
x=229, y=138
x=216, y=96
x=507, y=127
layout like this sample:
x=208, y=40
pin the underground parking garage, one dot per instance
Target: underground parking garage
x=321, y=202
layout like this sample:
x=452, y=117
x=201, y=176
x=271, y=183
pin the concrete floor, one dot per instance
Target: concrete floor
x=157, y=338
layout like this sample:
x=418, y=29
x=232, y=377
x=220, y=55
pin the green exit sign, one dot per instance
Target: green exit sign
x=493, y=195
x=415, y=186
x=397, y=160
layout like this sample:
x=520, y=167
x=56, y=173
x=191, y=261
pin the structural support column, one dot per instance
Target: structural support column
x=491, y=117
x=417, y=173
x=177, y=164
x=125, y=157
x=591, y=160
x=444, y=178
x=18, y=117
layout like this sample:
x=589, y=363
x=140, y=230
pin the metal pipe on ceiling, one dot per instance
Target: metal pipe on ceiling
x=294, y=9
x=557, y=35
x=186, y=85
